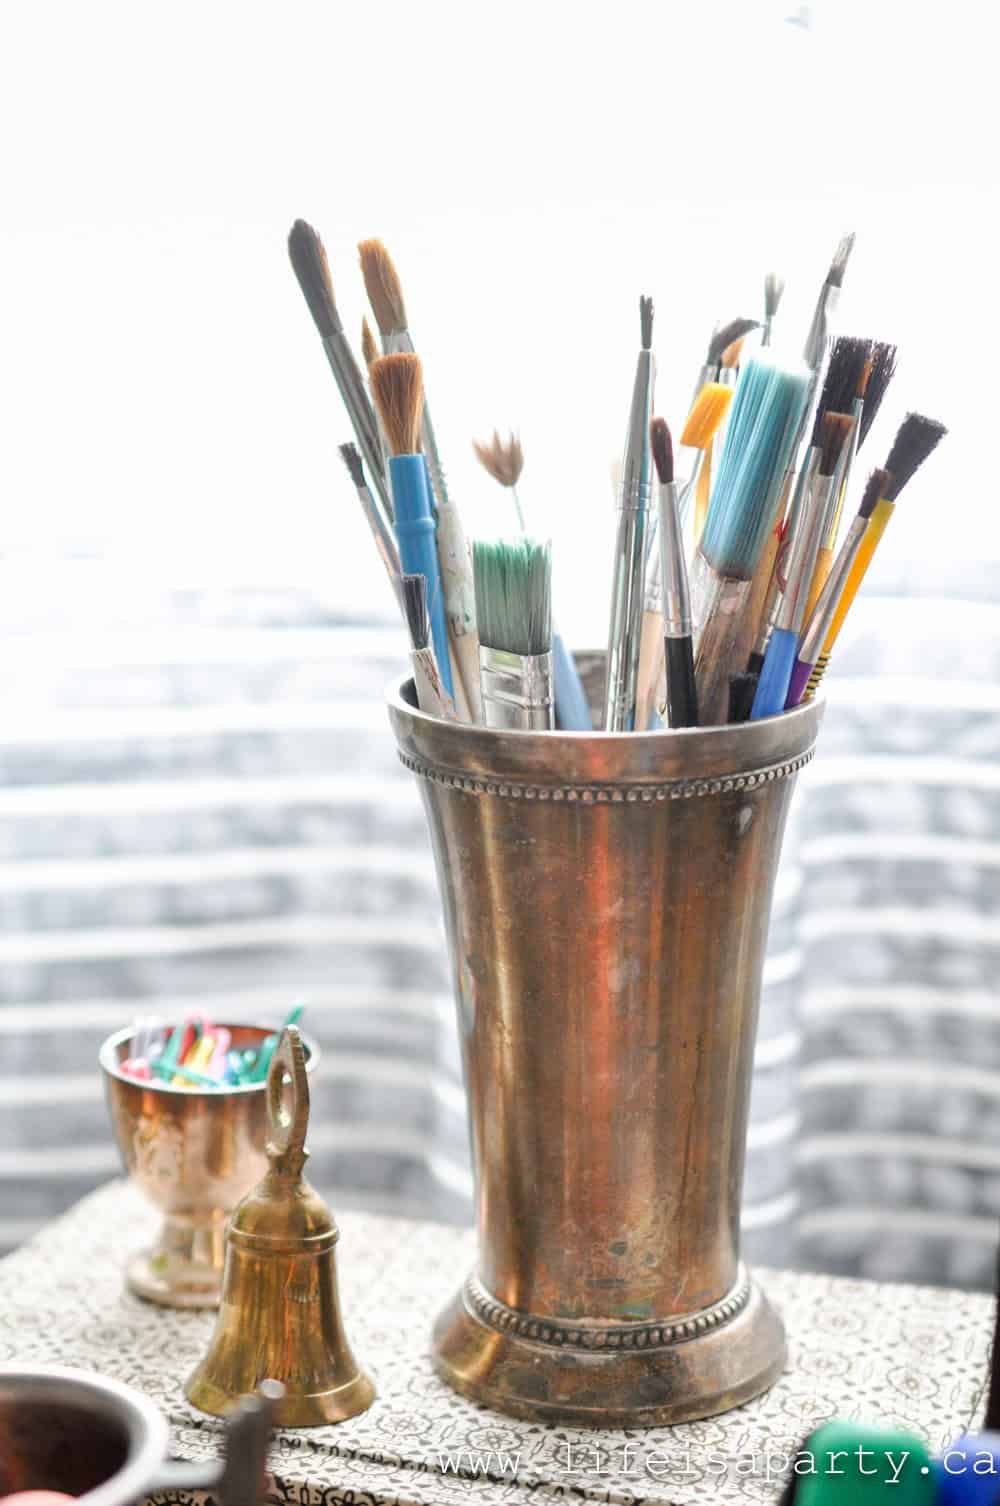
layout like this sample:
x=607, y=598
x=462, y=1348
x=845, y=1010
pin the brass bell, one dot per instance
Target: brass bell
x=279, y=1316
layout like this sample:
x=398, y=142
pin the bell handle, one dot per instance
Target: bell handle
x=288, y=1121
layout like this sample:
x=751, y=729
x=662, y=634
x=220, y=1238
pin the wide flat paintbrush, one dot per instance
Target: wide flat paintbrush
x=764, y=420
x=504, y=461
x=514, y=607
x=308, y=257
x=385, y=294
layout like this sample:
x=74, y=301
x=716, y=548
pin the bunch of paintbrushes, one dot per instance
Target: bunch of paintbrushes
x=730, y=580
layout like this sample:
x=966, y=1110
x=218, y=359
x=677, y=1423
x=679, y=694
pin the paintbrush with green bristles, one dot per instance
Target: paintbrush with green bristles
x=513, y=584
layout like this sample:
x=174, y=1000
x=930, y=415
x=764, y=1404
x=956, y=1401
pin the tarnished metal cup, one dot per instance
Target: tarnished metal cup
x=606, y=901
x=195, y=1153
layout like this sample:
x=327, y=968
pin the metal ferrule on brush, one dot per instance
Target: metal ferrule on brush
x=842, y=475
x=802, y=557
x=822, y=321
x=629, y=568
x=674, y=590
x=516, y=690
x=812, y=640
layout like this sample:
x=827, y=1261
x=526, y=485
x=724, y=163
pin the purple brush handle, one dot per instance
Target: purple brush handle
x=798, y=683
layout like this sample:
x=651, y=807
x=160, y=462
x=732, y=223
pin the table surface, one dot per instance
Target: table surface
x=906, y=1356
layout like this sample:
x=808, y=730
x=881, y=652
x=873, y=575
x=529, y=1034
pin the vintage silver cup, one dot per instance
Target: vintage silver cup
x=606, y=900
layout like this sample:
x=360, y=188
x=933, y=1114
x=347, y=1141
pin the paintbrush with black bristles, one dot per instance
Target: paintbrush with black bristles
x=883, y=369
x=774, y=287
x=723, y=336
x=432, y=696
x=309, y=263
x=847, y=374
x=385, y=294
x=385, y=541
x=915, y=440
x=776, y=673
x=514, y=607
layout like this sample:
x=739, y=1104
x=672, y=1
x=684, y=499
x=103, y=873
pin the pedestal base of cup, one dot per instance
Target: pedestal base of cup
x=184, y=1268
x=624, y=1375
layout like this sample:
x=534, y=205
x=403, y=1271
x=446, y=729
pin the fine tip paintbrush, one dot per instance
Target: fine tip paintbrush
x=915, y=440
x=513, y=584
x=826, y=304
x=432, y=696
x=689, y=461
x=369, y=345
x=385, y=294
x=682, y=696
x=634, y=521
x=309, y=263
x=764, y=420
x=385, y=542
x=775, y=676
x=774, y=287
x=503, y=459
x=398, y=389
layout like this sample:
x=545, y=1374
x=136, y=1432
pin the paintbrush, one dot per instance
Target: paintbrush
x=431, y=694
x=682, y=696
x=504, y=461
x=309, y=263
x=916, y=438
x=385, y=294
x=385, y=541
x=883, y=369
x=774, y=287
x=847, y=376
x=846, y=363
x=826, y=305
x=772, y=689
x=369, y=345
x=634, y=521
x=820, y=619
x=703, y=422
x=513, y=607
x=765, y=418
x=723, y=336
x=397, y=386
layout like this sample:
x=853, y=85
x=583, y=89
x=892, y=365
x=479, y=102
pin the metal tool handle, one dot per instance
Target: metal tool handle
x=288, y=1122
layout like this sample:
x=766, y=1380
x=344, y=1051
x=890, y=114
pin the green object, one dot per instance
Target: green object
x=294, y=1015
x=166, y=1063
x=198, y=1078
x=513, y=584
x=267, y=1049
x=849, y=1464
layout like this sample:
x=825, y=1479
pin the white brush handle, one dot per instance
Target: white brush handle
x=652, y=683
x=431, y=694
